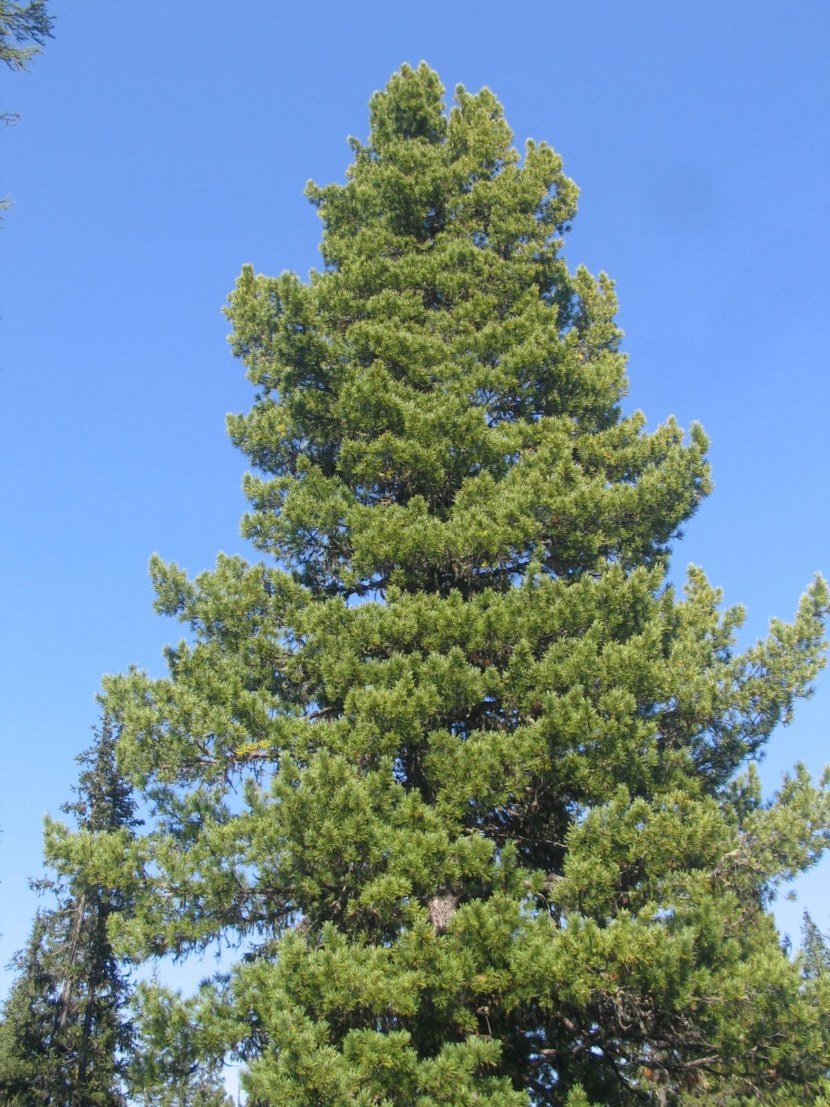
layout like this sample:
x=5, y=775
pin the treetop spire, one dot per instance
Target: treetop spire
x=447, y=359
x=410, y=107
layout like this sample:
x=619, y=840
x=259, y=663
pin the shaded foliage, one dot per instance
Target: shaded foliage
x=64, y=1033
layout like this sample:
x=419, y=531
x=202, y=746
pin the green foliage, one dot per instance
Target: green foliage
x=469, y=778
x=167, y=1064
x=30, y=1068
x=23, y=30
x=63, y=1033
x=815, y=950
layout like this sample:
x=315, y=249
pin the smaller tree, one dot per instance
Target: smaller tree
x=172, y=1064
x=63, y=1034
x=30, y=1068
x=815, y=951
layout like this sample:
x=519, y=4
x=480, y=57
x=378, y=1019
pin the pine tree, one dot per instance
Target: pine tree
x=29, y=1067
x=815, y=949
x=465, y=772
x=64, y=1032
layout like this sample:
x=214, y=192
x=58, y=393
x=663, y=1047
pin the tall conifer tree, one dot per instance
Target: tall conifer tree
x=64, y=1030
x=465, y=772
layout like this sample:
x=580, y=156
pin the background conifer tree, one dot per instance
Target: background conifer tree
x=170, y=1063
x=64, y=1030
x=815, y=949
x=30, y=1069
x=468, y=775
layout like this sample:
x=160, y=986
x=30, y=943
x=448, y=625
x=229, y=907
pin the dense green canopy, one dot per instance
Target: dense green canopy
x=454, y=762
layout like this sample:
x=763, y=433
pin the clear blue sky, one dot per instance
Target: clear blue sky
x=163, y=144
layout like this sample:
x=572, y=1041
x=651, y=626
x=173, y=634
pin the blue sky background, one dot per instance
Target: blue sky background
x=163, y=144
